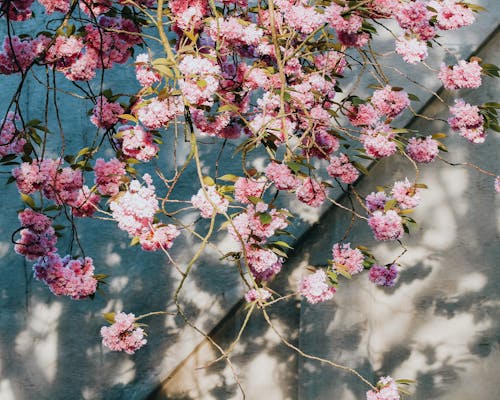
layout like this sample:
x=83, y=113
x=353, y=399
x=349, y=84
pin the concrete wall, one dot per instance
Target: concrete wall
x=50, y=347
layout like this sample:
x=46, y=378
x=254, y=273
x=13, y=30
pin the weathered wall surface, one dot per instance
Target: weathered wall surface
x=50, y=347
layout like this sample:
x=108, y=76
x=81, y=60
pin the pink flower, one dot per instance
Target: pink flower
x=263, y=263
x=11, y=140
x=137, y=143
x=422, y=150
x=345, y=258
x=467, y=121
x=311, y=192
x=159, y=113
x=134, y=209
x=386, y=225
x=386, y=390
x=497, y=184
x=411, y=49
x=260, y=295
x=464, y=75
x=144, y=71
x=105, y=114
x=86, y=203
x=209, y=202
x=108, y=175
x=34, y=244
x=282, y=176
x=363, y=115
x=123, y=335
x=315, y=288
x=200, y=80
x=376, y=201
x=248, y=187
x=341, y=168
x=383, y=276
x=232, y=32
x=213, y=127
x=67, y=277
x=407, y=195
x=159, y=237
x=452, y=14
x=258, y=223
x=378, y=141
x=55, y=5
x=390, y=102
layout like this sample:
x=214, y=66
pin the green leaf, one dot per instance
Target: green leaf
x=28, y=200
x=265, y=218
x=413, y=97
x=281, y=243
x=360, y=167
x=128, y=117
x=439, y=135
x=390, y=204
x=208, y=181
x=134, y=241
x=229, y=178
x=110, y=317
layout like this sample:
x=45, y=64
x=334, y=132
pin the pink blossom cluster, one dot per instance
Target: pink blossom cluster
x=282, y=176
x=123, y=334
x=348, y=27
x=135, y=208
x=144, y=71
x=65, y=276
x=18, y=54
x=86, y=203
x=452, y=14
x=253, y=228
x=51, y=6
x=386, y=225
x=363, y=115
x=210, y=202
x=16, y=10
x=249, y=187
x=263, y=263
x=61, y=185
x=136, y=142
x=347, y=259
x=105, y=113
x=376, y=201
x=109, y=175
x=11, y=139
x=200, y=80
x=95, y=7
x=378, y=141
x=158, y=237
x=311, y=192
x=390, y=102
x=497, y=184
x=158, y=113
x=259, y=294
x=386, y=390
x=188, y=14
x=315, y=288
x=214, y=125
x=407, y=195
x=383, y=275
x=464, y=75
x=422, y=150
x=340, y=167
x=468, y=121
x=37, y=236
x=411, y=49
x=300, y=17
x=234, y=32
x=415, y=18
